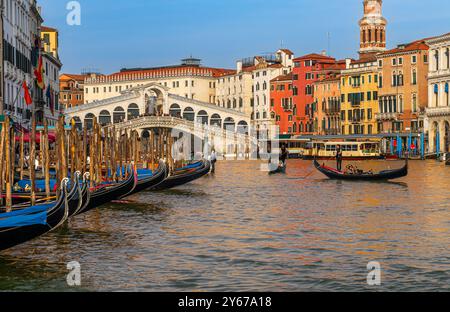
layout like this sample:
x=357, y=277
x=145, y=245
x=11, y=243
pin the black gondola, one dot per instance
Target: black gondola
x=382, y=175
x=109, y=193
x=184, y=177
x=57, y=214
x=152, y=180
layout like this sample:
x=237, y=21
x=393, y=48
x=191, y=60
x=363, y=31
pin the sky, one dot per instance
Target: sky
x=146, y=33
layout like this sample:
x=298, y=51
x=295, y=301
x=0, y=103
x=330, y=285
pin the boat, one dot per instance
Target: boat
x=382, y=175
x=148, y=179
x=24, y=224
x=183, y=176
x=106, y=193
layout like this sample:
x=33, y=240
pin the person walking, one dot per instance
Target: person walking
x=339, y=158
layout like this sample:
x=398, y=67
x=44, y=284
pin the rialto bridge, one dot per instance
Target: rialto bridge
x=151, y=106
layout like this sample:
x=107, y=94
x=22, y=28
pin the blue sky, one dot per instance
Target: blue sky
x=143, y=33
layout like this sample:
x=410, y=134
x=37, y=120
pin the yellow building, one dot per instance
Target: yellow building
x=359, y=96
x=49, y=37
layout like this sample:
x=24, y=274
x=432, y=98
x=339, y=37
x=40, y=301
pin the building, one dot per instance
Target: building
x=189, y=79
x=21, y=26
x=372, y=29
x=234, y=90
x=403, y=88
x=359, y=97
x=267, y=68
x=438, y=111
x=282, y=109
x=327, y=93
x=71, y=90
x=307, y=70
x=50, y=41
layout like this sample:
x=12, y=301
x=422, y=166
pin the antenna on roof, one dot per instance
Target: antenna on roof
x=329, y=43
x=281, y=44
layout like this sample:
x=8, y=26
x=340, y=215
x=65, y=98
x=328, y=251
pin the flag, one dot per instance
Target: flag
x=50, y=99
x=27, y=95
x=39, y=74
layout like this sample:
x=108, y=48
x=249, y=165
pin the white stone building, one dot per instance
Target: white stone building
x=438, y=111
x=189, y=80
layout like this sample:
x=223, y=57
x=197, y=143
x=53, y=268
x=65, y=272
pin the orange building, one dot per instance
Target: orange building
x=282, y=110
x=403, y=89
x=71, y=90
x=327, y=91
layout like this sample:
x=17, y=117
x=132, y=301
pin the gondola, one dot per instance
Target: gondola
x=148, y=179
x=382, y=175
x=185, y=176
x=23, y=225
x=108, y=193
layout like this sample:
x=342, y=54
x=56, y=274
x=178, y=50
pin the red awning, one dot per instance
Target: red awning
x=27, y=136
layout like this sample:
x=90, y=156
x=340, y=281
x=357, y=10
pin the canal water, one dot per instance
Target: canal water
x=243, y=230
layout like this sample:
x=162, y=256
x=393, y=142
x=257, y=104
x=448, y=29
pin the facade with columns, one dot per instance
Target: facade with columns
x=438, y=111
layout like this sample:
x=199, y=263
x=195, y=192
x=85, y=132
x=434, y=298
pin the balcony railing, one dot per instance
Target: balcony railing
x=331, y=132
x=387, y=116
x=438, y=111
x=332, y=110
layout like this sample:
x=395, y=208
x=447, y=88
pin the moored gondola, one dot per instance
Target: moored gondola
x=148, y=179
x=109, y=192
x=382, y=175
x=184, y=176
x=25, y=224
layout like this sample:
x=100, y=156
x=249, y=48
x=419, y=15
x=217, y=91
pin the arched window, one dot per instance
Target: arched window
x=133, y=111
x=89, y=121
x=118, y=115
x=104, y=118
x=229, y=124
x=175, y=110
x=189, y=114
x=216, y=120
x=202, y=117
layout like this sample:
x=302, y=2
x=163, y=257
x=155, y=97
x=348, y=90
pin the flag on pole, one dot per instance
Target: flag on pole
x=39, y=74
x=27, y=95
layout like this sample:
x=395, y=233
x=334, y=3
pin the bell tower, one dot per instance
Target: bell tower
x=373, y=28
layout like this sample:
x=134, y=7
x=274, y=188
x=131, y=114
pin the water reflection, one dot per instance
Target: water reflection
x=242, y=229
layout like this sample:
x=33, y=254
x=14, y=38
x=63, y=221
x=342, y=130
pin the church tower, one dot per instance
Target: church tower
x=373, y=28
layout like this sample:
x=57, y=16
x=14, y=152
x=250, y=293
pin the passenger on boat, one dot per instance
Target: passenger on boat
x=284, y=155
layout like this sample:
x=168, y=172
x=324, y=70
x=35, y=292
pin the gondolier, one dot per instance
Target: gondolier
x=339, y=158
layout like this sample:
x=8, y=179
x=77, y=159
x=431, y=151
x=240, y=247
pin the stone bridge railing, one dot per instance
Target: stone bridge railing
x=198, y=129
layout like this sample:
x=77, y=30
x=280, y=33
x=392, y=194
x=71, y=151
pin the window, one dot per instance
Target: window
x=369, y=114
x=414, y=59
x=369, y=96
x=394, y=62
x=414, y=77
x=400, y=61
x=380, y=63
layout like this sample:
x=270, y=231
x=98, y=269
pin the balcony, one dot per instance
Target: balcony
x=332, y=132
x=332, y=110
x=438, y=111
x=387, y=116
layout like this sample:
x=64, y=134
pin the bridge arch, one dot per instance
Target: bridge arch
x=242, y=127
x=78, y=122
x=216, y=120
